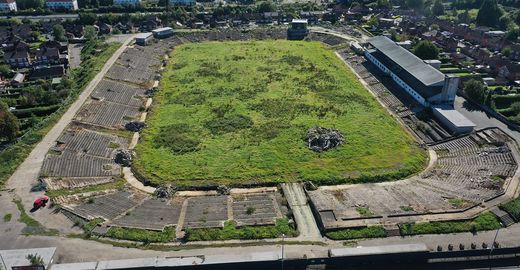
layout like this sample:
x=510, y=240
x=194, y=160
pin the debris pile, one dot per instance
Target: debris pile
x=123, y=157
x=321, y=139
x=166, y=191
x=223, y=190
x=135, y=126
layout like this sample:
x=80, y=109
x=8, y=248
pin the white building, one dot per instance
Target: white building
x=127, y=2
x=8, y=5
x=182, y=2
x=421, y=81
x=62, y=4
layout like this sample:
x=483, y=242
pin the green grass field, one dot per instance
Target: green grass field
x=237, y=113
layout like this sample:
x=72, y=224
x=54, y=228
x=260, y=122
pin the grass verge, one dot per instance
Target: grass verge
x=484, y=222
x=368, y=232
x=11, y=157
x=231, y=231
x=142, y=235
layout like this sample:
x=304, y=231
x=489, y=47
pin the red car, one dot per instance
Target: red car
x=41, y=201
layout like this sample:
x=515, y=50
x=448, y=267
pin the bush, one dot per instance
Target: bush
x=229, y=123
x=484, y=222
x=178, y=138
x=231, y=231
x=368, y=232
x=142, y=235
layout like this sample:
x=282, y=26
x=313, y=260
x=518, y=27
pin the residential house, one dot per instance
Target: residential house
x=46, y=73
x=49, y=54
x=182, y=2
x=8, y=5
x=510, y=71
x=74, y=30
x=104, y=28
x=18, y=79
x=18, y=56
x=62, y=4
x=150, y=23
x=127, y=3
x=22, y=31
x=493, y=40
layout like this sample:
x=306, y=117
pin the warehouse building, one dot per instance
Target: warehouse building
x=452, y=119
x=162, y=32
x=143, y=39
x=421, y=81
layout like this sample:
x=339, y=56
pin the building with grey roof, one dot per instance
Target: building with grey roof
x=452, y=119
x=424, y=83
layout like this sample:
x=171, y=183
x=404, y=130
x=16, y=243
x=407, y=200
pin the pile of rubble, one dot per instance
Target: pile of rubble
x=123, y=157
x=321, y=139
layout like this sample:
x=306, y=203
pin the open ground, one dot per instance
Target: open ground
x=237, y=113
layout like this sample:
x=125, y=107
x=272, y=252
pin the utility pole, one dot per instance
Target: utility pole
x=283, y=248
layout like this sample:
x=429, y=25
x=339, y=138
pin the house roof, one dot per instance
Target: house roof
x=52, y=71
x=406, y=60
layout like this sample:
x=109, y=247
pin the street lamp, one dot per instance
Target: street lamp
x=283, y=247
x=493, y=244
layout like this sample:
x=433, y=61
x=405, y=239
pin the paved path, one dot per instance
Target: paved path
x=27, y=173
x=302, y=212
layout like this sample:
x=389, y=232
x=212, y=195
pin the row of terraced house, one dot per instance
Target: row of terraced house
x=64, y=5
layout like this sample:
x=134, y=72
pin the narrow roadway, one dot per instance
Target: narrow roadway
x=27, y=173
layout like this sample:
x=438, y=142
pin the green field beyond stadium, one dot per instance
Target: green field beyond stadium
x=237, y=113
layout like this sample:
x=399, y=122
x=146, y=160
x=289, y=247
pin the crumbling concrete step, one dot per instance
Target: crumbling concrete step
x=504, y=217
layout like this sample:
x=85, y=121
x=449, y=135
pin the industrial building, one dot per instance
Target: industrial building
x=452, y=119
x=143, y=39
x=421, y=81
x=164, y=32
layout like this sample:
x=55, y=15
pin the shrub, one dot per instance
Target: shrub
x=231, y=231
x=142, y=235
x=177, y=138
x=368, y=232
x=484, y=222
x=229, y=123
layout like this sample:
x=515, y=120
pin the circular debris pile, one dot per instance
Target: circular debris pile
x=123, y=157
x=166, y=191
x=135, y=126
x=321, y=139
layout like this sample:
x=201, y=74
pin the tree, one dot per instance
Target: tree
x=87, y=18
x=35, y=260
x=464, y=17
x=438, y=8
x=426, y=50
x=9, y=125
x=59, y=32
x=383, y=4
x=266, y=6
x=515, y=107
x=417, y=5
x=475, y=90
x=507, y=51
x=90, y=33
x=6, y=71
x=513, y=34
x=489, y=13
